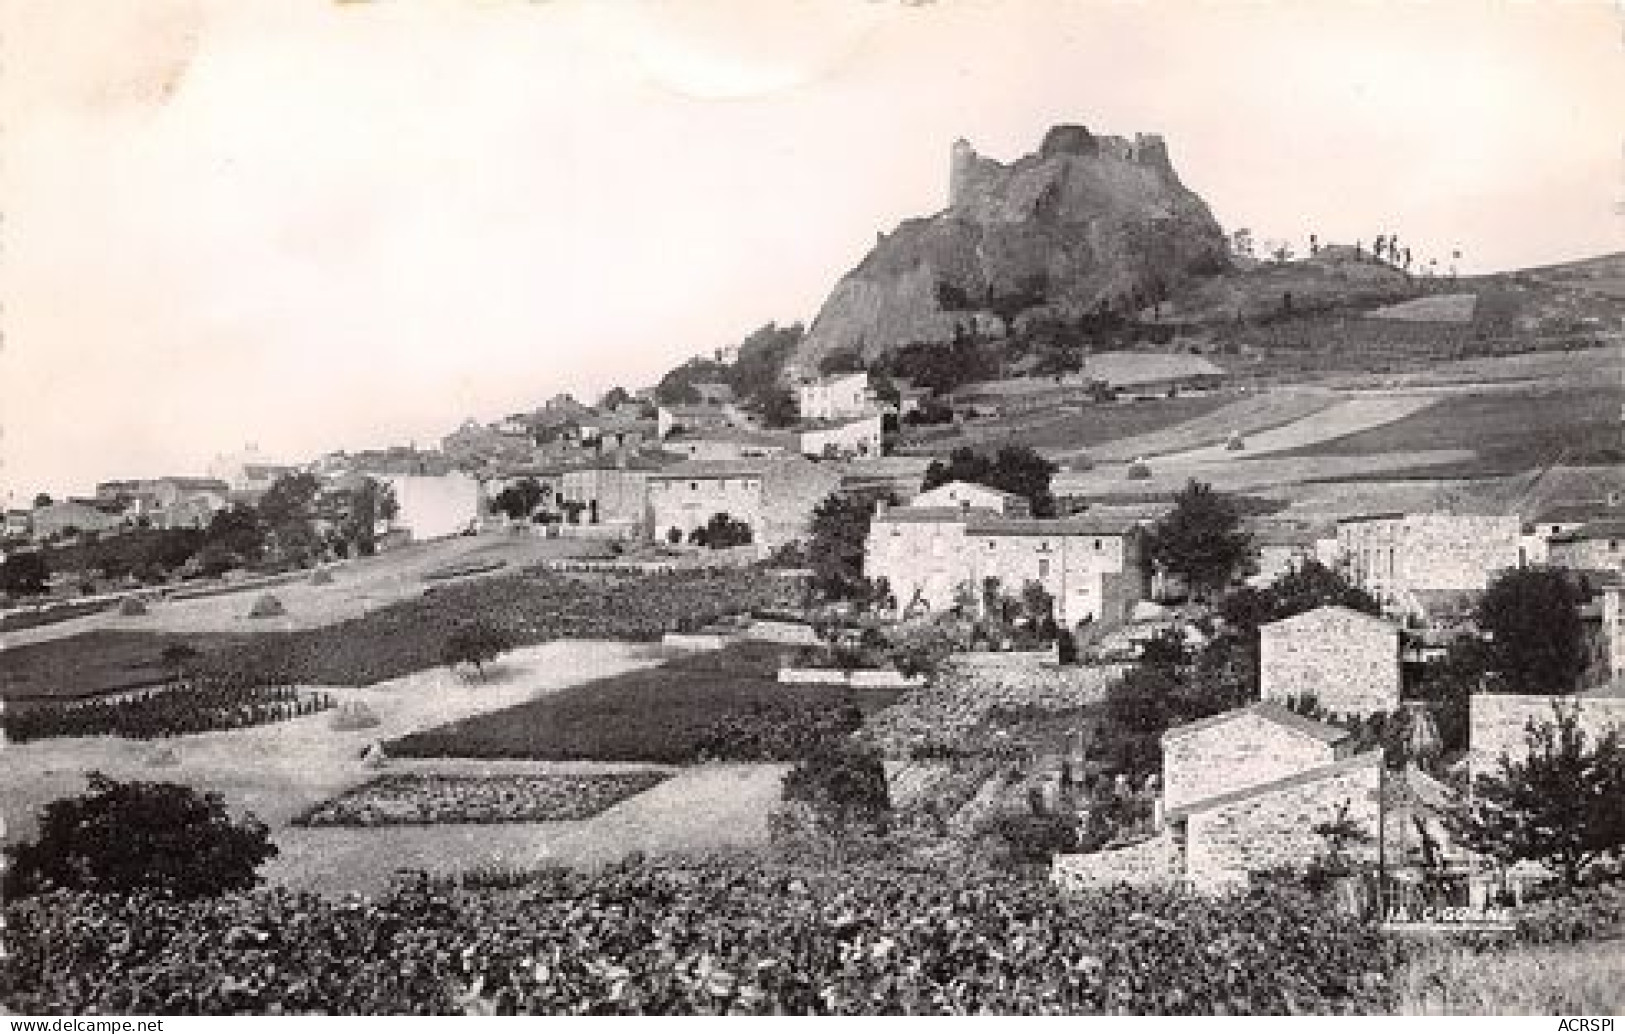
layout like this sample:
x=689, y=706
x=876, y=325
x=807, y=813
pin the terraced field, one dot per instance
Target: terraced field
x=1247, y=416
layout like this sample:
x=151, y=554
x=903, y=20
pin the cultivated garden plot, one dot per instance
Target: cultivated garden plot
x=428, y=799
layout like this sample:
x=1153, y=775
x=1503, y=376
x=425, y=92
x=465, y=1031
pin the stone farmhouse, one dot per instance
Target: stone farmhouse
x=1498, y=722
x=1393, y=556
x=981, y=497
x=74, y=515
x=930, y=556
x=1346, y=660
x=775, y=496
x=19, y=524
x=858, y=436
x=839, y=397
x=1594, y=546
x=670, y=419
x=729, y=443
x=612, y=494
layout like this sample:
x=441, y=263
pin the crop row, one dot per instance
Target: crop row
x=395, y=800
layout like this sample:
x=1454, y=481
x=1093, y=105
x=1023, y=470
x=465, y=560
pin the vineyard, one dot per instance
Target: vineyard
x=532, y=607
x=708, y=939
x=188, y=706
x=393, y=800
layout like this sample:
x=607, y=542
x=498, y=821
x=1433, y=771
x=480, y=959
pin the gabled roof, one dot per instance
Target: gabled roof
x=701, y=469
x=984, y=489
x=1081, y=525
x=1304, y=778
x=1270, y=711
x=1576, y=513
x=1319, y=614
x=932, y=514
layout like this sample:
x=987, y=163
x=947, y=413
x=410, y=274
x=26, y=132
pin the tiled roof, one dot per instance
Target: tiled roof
x=1267, y=709
x=1576, y=513
x=931, y=514
x=1311, y=617
x=1082, y=524
x=986, y=489
x=1304, y=778
x=750, y=467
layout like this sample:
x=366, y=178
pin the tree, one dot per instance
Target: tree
x=842, y=360
x=25, y=574
x=1562, y=805
x=1017, y=469
x=922, y=648
x=843, y=786
x=288, y=511
x=1201, y=540
x=123, y=837
x=236, y=536
x=778, y=407
x=723, y=532
x=368, y=503
x=476, y=642
x=1536, y=640
x=840, y=528
x=520, y=499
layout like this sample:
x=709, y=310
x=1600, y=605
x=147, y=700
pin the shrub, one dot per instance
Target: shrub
x=124, y=837
x=353, y=715
x=321, y=576
x=478, y=643
x=267, y=606
x=843, y=785
x=132, y=607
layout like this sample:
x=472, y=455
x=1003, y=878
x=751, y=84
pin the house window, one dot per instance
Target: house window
x=693, y=486
x=1043, y=568
x=1098, y=546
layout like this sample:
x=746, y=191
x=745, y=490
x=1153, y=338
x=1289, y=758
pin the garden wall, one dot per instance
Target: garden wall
x=1029, y=678
x=862, y=679
x=1151, y=863
x=696, y=641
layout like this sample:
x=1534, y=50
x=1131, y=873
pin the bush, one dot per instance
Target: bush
x=321, y=576
x=843, y=786
x=353, y=715
x=477, y=643
x=267, y=606
x=1034, y=839
x=124, y=837
x=132, y=607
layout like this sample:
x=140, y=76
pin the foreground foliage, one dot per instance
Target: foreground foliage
x=126, y=837
x=725, y=938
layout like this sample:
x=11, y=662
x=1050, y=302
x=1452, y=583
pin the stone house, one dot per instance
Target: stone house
x=1594, y=546
x=1093, y=567
x=435, y=505
x=775, y=496
x=1497, y=722
x=74, y=515
x=1244, y=789
x=19, y=524
x=843, y=396
x=1346, y=660
x=845, y=437
x=1282, y=547
x=671, y=419
x=609, y=493
x=729, y=443
x=1390, y=555
x=981, y=497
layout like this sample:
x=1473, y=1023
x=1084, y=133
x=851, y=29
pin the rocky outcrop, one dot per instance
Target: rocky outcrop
x=1086, y=220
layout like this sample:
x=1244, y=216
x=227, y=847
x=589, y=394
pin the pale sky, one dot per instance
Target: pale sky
x=313, y=225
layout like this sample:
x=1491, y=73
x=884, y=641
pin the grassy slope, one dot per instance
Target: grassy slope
x=654, y=715
x=93, y=663
x=1510, y=432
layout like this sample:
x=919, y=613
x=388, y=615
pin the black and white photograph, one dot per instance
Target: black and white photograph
x=881, y=508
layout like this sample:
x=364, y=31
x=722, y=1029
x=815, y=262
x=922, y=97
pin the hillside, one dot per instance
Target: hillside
x=1086, y=221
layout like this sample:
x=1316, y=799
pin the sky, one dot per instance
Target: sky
x=316, y=225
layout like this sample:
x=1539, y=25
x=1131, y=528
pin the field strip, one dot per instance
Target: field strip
x=1257, y=475
x=1246, y=416
x=1348, y=417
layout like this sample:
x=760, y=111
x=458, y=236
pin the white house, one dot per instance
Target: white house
x=842, y=396
x=435, y=506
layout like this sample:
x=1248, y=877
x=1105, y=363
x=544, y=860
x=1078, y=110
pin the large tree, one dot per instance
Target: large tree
x=288, y=511
x=1563, y=804
x=840, y=527
x=1536, y=641
x=24, y=574
x=520, y=499
x=1015, y=468
x=121, y=837
x=1201, y=540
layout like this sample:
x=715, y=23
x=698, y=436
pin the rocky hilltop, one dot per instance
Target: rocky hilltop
x=1086, y=221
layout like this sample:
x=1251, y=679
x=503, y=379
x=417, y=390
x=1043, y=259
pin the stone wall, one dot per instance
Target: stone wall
x=1151, y=863
x=1428, y=551
x=1275, y=827
x=1348, y=661
x=862, y=679
x=1243, y=751
x=1498, y=722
